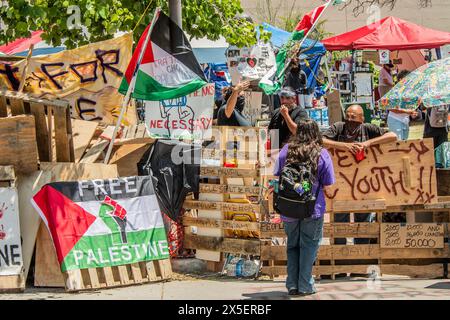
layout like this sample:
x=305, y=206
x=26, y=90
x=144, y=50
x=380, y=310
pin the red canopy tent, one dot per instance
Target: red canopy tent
x=390, y=33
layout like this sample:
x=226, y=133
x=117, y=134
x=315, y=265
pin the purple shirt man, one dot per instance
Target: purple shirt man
x=325, y=178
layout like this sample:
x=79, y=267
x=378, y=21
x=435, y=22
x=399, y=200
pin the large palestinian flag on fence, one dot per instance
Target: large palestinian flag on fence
x=168, y=68
x=101, y=223
x=273, y=80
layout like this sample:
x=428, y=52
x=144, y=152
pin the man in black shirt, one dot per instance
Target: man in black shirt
x=230, y=114
x=439, y=135
x=285, y=118
x=354, y=135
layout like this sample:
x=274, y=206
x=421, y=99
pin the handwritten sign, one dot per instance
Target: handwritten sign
x=188, y=117
x=88, y=77
x=250, y=63
x=252, y=110
x=400, y=173
x=419, y=235
x=10, y=245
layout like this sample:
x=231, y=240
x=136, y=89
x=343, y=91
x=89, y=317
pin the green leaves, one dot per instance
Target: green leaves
x=102, y=19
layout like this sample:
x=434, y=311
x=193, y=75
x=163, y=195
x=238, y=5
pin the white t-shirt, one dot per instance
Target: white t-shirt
x=385, y=75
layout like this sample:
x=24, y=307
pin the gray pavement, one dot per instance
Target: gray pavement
x=220, y=288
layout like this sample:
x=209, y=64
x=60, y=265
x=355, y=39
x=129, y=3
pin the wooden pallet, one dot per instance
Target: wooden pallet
x=359, y=258
x=219, y=187
x=134, y=134
x=10, y=283
x=118, y=276
x=18, y=143
x=52, y=122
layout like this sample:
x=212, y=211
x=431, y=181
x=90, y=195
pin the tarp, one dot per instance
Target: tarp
x=280, y=37
x=390, y=33
x=175, y=171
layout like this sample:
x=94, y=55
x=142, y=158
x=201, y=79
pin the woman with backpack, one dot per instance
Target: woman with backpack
x=305, y=169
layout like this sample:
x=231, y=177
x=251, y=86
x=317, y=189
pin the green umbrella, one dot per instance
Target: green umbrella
x=429, y=85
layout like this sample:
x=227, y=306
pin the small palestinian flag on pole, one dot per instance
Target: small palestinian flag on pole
x=103, y=223
x=168, y=68
x=274, y=79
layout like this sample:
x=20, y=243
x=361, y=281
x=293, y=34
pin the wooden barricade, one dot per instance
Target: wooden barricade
x=52, y=122
x=225, y=217
x=394, y=180
x=117, y=276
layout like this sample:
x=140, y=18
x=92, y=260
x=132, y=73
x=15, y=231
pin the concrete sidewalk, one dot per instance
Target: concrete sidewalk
x=221, y=288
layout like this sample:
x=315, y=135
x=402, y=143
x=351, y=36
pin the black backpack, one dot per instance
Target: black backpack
x=294, y=198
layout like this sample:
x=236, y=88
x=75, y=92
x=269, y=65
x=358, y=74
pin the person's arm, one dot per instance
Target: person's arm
x=385, y=138
x=231, y=103
x=290, y=123
x=346, y=146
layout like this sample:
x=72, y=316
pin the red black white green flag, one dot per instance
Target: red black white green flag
x=273, y=80
x=168, y=68
x=101, y=223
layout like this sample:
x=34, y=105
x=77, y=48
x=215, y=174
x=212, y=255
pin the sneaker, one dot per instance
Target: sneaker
x=293, y=292
x=304, y=294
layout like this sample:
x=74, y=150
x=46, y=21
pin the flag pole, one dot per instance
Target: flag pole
x=306, y=35
x=127, y=98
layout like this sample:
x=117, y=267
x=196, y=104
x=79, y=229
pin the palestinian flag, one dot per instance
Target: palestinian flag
x=274, y=79
x=168, y=68
x=101, y=223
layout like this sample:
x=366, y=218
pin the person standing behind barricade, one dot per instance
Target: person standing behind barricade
x=284, y=120
x=436, y=124
x=230, y=114
x=355, y=136
x=386, y=82
x=305, y=169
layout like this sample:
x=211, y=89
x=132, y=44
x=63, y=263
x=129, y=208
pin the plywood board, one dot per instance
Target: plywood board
x=18, y=143
x=400, y=173
x=220, y=244
x=126, y=158
x=28, y=185
x=82, y=133
x=412, y=235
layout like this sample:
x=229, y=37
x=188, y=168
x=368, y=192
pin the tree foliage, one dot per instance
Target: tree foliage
x=101, y=19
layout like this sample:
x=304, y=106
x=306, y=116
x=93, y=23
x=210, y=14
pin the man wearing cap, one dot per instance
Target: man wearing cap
x=385, y=81
x=285, y=118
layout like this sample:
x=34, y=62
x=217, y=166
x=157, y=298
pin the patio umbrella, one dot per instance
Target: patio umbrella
x=429, y=85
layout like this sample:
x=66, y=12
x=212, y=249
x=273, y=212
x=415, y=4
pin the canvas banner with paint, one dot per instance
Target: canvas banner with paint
x=88, y=77
x=11, y=262
x=189, y=117
x=250, y=63
x=101, y=223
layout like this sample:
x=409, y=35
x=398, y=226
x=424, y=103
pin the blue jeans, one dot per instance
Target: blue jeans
x=399, y=127
x=303, y=241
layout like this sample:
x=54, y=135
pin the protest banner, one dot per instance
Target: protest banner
x=188, y=117
x=398, y=173
x=116, y=222
x=250, y=63
x=11, y=262
x=87, y=77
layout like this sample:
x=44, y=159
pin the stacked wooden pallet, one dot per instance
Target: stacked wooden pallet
x=393, y=178
x=225, y=217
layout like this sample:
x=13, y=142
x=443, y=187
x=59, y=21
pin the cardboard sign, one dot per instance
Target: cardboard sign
x=384, y=56
x=417, y=235
x=188, y=117
x=88, y=77
x=11, y=262
x=252, y=110
x=250, y=63
x=399, y=173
